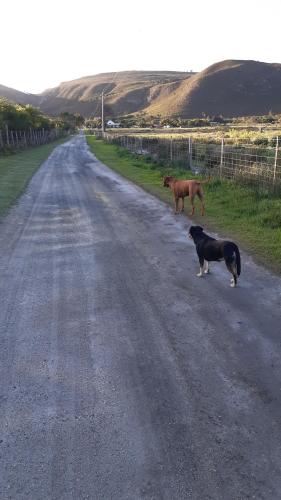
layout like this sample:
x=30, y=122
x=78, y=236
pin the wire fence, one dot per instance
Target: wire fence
x=243, y=163
x=15, y=140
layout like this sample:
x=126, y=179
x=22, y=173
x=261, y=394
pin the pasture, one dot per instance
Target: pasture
x=232, y=134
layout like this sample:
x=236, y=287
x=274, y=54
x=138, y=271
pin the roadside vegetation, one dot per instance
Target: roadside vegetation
x=16, y=170
x=20, y=117
x=144, y=121
x=251, y=216
x=17, y=167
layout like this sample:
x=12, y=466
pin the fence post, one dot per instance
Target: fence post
x=1, y=140
x=275, y=159
x=171, y=149
x=12, y=136
x=221, y=162
x=190, y=152
x=7, y=135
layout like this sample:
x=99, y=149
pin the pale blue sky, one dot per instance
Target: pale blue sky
x=44, y=43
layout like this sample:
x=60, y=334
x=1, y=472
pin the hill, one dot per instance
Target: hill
x=19, y=97
x=230, y=88
x=126, y=92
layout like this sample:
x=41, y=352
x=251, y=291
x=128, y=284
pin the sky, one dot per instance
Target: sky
x=45, y=43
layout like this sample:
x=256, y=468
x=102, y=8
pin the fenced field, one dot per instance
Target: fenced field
x=15, y=140
x=255, y=164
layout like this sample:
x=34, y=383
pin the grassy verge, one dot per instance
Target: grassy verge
x=16, y=170
x=248, y=215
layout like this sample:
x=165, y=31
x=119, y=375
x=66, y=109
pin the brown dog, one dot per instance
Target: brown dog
x=181, y=188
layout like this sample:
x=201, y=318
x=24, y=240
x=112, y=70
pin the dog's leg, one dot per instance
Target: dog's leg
x=207, y=268
x=192, y=204
x=182, y=207
x=231, y=266
x=201, y=262
x=233, y=281
x=178, y=205
x=201, y=198
x=200, y=274
x=176, y=200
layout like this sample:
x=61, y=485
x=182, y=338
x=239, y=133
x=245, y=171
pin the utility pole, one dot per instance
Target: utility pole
x=102, y=114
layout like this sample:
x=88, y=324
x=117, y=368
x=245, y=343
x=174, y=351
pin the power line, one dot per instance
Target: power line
x=104, y=91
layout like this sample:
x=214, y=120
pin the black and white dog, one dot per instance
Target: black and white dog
x=208, y=249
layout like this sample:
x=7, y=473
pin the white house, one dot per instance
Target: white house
x=112, y=124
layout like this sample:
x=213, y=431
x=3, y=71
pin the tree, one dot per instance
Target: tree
x=22, y=117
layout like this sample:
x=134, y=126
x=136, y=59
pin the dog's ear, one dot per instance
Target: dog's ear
x=191, y=232
x=200, y=228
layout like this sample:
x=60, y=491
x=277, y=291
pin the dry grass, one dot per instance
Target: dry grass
x=231, y=135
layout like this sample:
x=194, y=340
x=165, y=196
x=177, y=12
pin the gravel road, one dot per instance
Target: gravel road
x=123, y=375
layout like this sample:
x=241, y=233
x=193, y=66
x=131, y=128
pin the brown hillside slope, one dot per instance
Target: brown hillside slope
x=230, y=88
x=126, y=91
x=19, y=97
x=85, y=88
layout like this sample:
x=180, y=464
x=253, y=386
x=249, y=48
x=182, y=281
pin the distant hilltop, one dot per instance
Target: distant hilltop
x=229, y=88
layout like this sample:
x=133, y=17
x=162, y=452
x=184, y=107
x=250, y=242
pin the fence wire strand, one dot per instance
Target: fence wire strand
x=243, y=163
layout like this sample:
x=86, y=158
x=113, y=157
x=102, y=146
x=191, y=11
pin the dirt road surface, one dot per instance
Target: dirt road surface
x=123, y=375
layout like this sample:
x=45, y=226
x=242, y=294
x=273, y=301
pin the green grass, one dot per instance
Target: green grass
x=17, y=169
x=251, y=217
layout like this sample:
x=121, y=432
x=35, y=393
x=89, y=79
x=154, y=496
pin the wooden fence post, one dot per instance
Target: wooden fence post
x=222, y=152
x=190, y=152
x=171, y=149
x=7, y=135
x=12, y=136
x=275, y=159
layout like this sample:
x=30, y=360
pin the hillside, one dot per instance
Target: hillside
x=230, y=88
x=19, y=97
x=126, y=91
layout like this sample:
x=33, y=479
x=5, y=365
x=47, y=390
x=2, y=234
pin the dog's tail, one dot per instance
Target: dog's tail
x=232, y=259
x=205, y=181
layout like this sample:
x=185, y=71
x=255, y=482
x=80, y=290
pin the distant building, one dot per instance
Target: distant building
x=112, y=124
